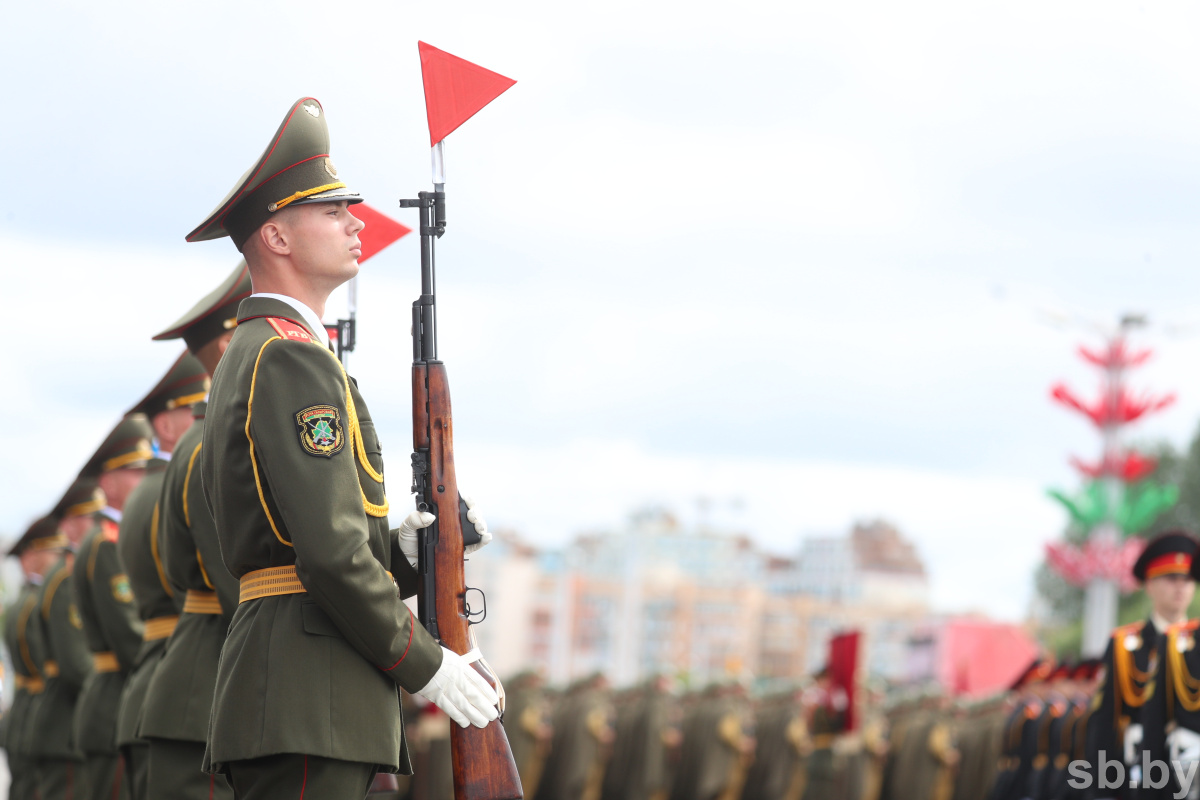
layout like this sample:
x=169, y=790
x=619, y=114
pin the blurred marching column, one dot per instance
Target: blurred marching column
x=582, y=742
x=527, y=723
x=1115, y=504
x=717, y=747
x=980, y=743
x=647, y=733
x=782, y=746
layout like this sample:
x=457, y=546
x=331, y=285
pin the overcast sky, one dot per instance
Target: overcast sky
x=788, y=253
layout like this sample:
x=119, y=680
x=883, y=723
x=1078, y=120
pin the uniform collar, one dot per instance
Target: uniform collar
x=1160, y=624
x=310, y=318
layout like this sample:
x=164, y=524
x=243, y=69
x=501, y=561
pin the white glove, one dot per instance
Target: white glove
x=461, y=692
x=475, y=518
x=417, y=520
x=413, y=523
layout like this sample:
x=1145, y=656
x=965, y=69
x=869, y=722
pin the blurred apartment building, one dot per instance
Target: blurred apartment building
x=702, y=604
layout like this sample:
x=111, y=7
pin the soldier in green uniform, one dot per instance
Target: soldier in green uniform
x=174, y=715
x=37, y=550
x=168, y=406
x=106, y=608
x=646, y=735
x=581, y=742
x=307, y=688
x=68, y=661
x=527, y=724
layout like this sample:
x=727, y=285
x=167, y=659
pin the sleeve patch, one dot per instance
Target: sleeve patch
x=321, y=431
x=120, y=589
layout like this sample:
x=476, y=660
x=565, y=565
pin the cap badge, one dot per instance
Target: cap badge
x=313, y=109
x=330, y=168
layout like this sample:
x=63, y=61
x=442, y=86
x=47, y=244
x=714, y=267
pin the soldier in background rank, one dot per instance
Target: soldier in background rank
x=37, y=550
x=716, y=746
x=647, y=732
x=1172, y=720
x=59, y=760
x=527, y=723
x=293, y=471
x=579, y=750
x=1132, y=661
x=105, y=602
x=168, y=406
x=175, y=713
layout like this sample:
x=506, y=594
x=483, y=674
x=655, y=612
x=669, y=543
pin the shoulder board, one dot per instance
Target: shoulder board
x=1125, y=630
x=110, y=530
x=288, y=330
x=1190, y=625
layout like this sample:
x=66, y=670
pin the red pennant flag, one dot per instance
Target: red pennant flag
x=455, y=90
x=381, y=230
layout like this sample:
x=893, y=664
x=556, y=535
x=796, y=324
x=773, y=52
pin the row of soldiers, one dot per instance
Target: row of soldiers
x=215, y=606
x=121, y=565
x=1040, y=740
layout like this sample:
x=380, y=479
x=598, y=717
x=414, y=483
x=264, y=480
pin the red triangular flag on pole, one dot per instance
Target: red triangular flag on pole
x=381, y=230
x=455, y=90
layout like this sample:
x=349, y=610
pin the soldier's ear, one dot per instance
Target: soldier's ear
x=274, y=237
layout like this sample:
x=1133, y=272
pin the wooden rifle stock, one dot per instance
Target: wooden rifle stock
x=484, y=768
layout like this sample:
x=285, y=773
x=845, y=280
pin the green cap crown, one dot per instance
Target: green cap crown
x=84, y=496
x=185, y=384
x=42, y=534
x=294, y=169
x=214, y=314
x=128, y=445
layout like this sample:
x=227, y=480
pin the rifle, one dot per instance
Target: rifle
x=483, y=762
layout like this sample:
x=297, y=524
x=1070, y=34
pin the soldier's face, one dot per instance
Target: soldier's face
x=118, y=483
x=75, y=528
x=1171, y=595
x=324, y=242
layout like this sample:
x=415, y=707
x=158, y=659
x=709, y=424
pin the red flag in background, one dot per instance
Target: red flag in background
x=381, y=230
x=455, y=90
x=843, y=671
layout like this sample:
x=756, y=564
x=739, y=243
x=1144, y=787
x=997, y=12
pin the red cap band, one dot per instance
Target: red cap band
x=1170, y=564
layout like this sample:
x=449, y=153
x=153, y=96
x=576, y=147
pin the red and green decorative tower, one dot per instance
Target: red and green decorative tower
x=1117, y=502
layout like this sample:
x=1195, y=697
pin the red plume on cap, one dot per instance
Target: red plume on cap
x=455, y=90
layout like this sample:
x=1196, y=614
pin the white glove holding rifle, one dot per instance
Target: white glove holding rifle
x=461, y=692
x=417, y=520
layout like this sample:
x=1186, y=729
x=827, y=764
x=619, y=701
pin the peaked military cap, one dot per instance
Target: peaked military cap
x=84, y=496
x=185, y=384
x=294, y=169
x=1169, y=553
x=1037, y=672
x=42, y=534
x=214, y=314
x=128, y=445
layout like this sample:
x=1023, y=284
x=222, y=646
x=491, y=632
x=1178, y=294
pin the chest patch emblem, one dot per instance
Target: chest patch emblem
x=321, y=430
x=120, y=589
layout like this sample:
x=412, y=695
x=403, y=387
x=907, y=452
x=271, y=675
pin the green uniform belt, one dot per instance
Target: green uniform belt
x=159, y=628
x=105, y=662
x=198, y=602
x=30, y=683
x=271, y=581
